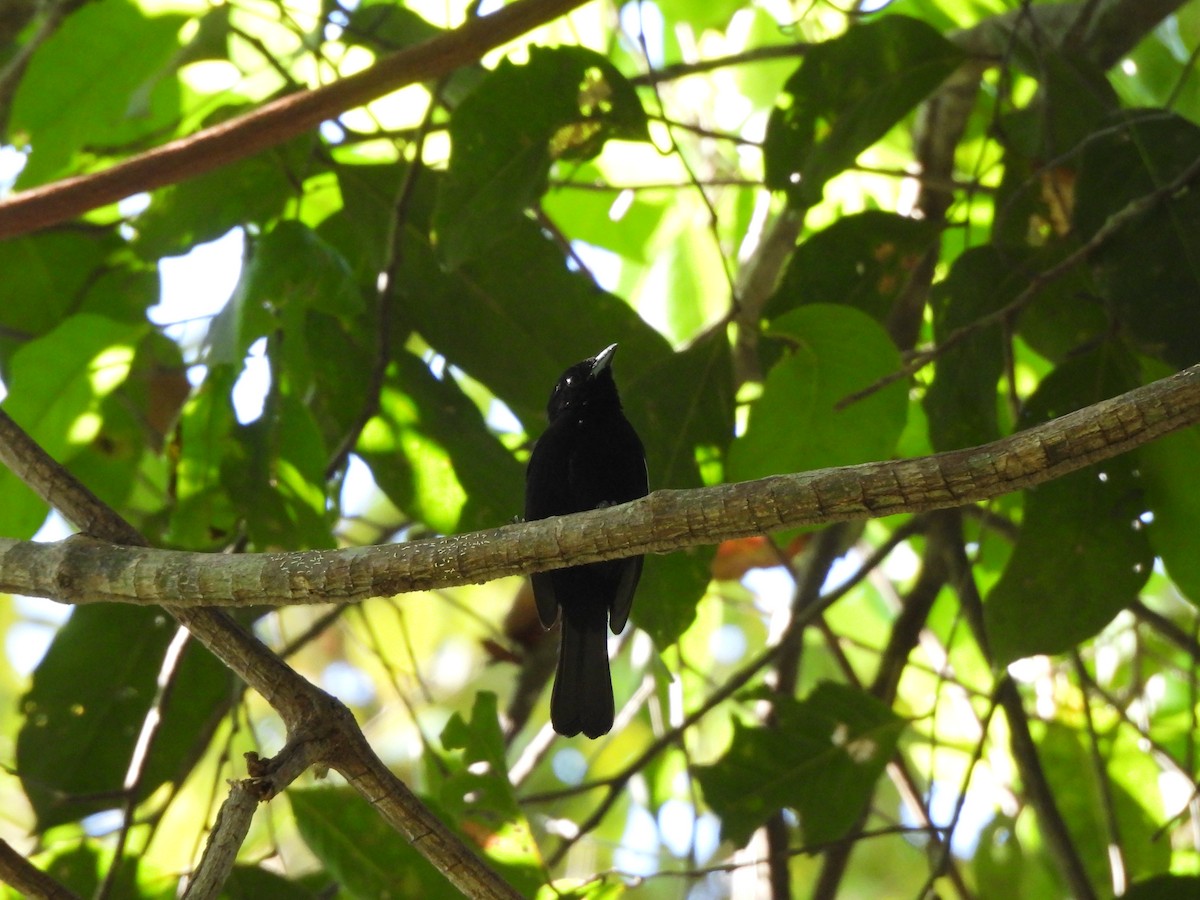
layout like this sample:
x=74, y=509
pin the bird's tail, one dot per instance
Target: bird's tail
x=583, y=696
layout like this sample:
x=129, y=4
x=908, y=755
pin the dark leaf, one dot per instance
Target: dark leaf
x=1149, y=271
x=563, y=104
x=200, y=209
x=203, y=515
x=961, y=402
x=1082, y=555
x=248, y=882
x=522, y=303
x=1165, y=887
x=1170, y=479
x=822, y=759
x=274, y=472
x=863, y=260
x=43, y=274
x=89, y=697
x=846, y=95
x=366, y=857
x=682, y=409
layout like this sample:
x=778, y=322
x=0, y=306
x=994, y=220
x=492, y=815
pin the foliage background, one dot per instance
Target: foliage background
x=752, y=200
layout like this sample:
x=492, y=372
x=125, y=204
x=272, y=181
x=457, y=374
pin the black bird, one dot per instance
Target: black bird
x=587, y=458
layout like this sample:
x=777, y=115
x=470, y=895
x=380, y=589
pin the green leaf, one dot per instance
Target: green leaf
x=999, y=858
x=82, y=868
x=794, y=426
x=44, y=274
x=846, y=95
x=382, y=25
x=1149, y=271
x=584, y=214
x=362, y=230
x=671, y=586
x=84, y=89
x=961, y=402
x=563, y=104
x=366, y=857
x=248, y=882
x=680, y=403
x=274, y=472
x=89, y=697
x=863, y=260
x=203, y=515
x=291, y=265
x=521, y=303
x=480, y=799
x=681, y=408
x=822, y=759
x=1068, y=314
x=1073, y=97
x=1165, y=887
x=431, y=452
x=251, y=190
x=328, y=360
x=1172, y=485
x=1082, y=555
x=58, y=380
x=1072, y=775
x=56, y=385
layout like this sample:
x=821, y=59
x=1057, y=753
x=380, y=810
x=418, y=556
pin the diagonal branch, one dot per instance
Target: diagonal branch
x=86, y=570
x=273, y=123
x=320, y=729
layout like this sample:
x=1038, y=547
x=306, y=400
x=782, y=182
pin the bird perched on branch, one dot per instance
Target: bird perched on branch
x=589, y=457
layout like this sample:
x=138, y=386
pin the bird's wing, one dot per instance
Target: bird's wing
x=545, y=597
x=622, y=601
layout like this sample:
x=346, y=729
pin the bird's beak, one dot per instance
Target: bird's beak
x=601, y=360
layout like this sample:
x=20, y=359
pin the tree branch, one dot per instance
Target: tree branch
x=16, y=871
x=273, y=123
x=86, y=570
x=321, y=730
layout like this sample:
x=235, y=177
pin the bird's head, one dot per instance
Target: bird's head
x=586, y=384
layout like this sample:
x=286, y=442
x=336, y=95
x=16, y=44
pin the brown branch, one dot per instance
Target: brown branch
x=85, y=570
x=16, y=871
x=1041, y=795
x=273, y=123
x=226, y=839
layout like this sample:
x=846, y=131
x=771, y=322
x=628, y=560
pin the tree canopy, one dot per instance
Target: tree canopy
x=284, y=288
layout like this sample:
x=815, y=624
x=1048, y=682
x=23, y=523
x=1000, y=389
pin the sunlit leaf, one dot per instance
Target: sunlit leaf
x=479, y=796
x=795, y=426
x=111, y=97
